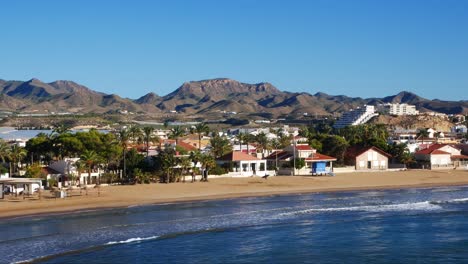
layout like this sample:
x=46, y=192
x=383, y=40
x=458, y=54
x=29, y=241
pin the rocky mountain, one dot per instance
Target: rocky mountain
x=199, y=97
x=61, y=96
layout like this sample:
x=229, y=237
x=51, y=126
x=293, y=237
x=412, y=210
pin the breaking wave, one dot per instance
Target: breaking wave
x=131, y=240
x=423, y=206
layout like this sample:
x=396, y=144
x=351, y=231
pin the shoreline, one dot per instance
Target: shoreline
x=122, y=196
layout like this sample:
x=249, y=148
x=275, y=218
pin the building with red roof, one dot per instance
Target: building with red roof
x=316, y=163
x=242, y=164
x=440, y=156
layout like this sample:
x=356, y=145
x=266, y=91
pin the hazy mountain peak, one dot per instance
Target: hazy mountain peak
x=149, y=98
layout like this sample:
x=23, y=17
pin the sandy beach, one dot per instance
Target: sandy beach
x=221, y=188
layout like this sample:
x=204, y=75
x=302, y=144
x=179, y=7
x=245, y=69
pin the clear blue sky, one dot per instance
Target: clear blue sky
x=356, y=48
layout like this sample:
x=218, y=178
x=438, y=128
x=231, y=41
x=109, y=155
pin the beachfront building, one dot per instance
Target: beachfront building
x=315, y=163
x=192, y=139
x=19, y=186
x=438, y=156
x=241, y=164
x=367, y=158
x=245, y=148
x=354, y=117
x=399, y=109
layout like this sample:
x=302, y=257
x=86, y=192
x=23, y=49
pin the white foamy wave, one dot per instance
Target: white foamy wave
x=422, y=206
x=458, y=200
x=131, y=240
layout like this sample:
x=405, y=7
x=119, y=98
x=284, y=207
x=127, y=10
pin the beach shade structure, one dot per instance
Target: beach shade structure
x=26, y=186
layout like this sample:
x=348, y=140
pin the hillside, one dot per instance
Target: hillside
x=206, y=97
x=61, y=96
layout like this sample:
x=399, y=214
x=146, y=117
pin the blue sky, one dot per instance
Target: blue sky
x=355, y=48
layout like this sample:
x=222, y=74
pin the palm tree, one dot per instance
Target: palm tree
x=248, y=139
x=17, y=153
x=123, y=137
x=185, y=166
x=207, y=162
x=4, y=150
x=220, y=146
x=80, y=166
x=262, y=141
x=200, y=129
x=423, y=133
x=90, y=158
x=241, y=137
x=149, y=138
x=275, y=145
x=176, y=133
x=135, y=134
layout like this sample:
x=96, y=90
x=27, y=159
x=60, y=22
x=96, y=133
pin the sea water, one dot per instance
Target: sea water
x=424, y=225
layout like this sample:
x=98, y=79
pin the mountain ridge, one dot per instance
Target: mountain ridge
x=199, y=97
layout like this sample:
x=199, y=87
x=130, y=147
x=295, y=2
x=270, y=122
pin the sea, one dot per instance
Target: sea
x=419, y=225
x=11, y=133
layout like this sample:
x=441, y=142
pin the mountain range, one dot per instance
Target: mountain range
x=198, y=97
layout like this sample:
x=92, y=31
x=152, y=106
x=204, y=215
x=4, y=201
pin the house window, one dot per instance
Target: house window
x=262, y=166
x=361, y=164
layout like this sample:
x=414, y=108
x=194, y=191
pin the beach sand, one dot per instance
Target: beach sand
x=221, y=188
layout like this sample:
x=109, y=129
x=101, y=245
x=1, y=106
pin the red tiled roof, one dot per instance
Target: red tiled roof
x=303, y=147
x=237, y=156
x=319, y=157
x=280, y=155
x=439, y=152
x=186, y=146
x=456, y=157
x=430, y=149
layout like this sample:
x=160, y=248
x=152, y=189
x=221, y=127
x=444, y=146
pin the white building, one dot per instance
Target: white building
x=356, y=117
x=400, y=109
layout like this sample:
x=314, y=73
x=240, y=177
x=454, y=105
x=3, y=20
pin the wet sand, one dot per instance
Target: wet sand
x=223, y=188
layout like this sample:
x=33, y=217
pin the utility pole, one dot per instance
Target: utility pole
x=294, y=156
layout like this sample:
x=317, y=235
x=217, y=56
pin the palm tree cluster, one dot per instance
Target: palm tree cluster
x=115, y=153
x=13, y=154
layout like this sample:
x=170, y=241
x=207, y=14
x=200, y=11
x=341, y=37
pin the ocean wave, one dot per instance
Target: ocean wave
x=131, y=240
x=454, y=201
x=424, y=206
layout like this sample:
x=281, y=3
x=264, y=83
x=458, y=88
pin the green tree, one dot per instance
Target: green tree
x=4, y=150
x=91, y=159
x=176, y=133
x=207, y=162
x=200, y=129
x=134, y=160
x=123, y=138
x=284, y=140
x=297, y=163
x=422, y=134
x=165, y=164
x=136, y=134
x=335, y=146
x=241, y=138
x=40, y=147
x=220, y=146
x=263, y=143
x=80, y=168
x=149, y=137
x=17, y=154
x=35, y=171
